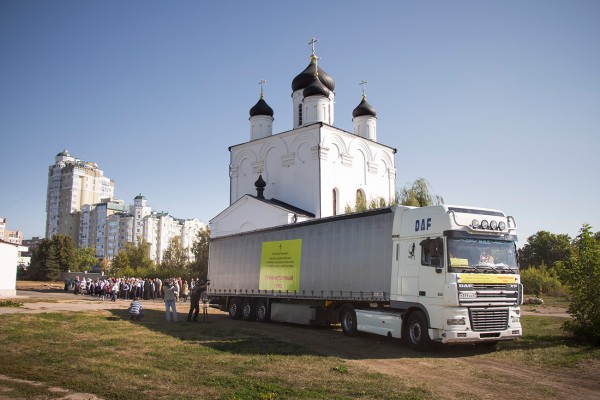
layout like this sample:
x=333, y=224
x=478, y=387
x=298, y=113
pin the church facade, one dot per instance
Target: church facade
x=314, y=170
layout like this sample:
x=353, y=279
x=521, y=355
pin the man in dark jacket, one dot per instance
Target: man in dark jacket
x=195, y=298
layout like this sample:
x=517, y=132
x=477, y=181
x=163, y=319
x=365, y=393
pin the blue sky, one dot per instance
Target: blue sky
x=495, y=103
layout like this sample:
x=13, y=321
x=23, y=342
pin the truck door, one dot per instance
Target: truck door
x=431, y=274
x=408, y=270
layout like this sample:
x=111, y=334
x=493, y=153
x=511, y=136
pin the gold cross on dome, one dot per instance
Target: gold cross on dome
x=261, y=83
x=363, y=83
x=312, y=43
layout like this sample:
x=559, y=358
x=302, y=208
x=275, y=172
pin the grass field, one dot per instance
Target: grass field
x=118, y=359
x=106, y=354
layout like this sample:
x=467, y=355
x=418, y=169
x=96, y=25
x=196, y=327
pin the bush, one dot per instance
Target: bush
x=582, y=275
x=538, y=281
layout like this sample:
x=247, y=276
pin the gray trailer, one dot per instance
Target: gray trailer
x=306, y=272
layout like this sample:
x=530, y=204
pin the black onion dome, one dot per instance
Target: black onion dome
x=316, y=88
x=363, y=109
x=304, y=78
x=260, y=182
x=261, y=108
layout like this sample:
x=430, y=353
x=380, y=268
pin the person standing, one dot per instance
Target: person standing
x=170, y=295
x=114, y=291
x=195, y=298
x=185, y=291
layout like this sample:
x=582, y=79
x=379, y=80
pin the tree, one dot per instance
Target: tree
x=582, y=276
x=66, y=252
x=120, y=263
x=199, y=268
x=175, y=258
x=52, y=257
x=85, y=258
x=139, y=256
x=544, y=249
x=418, y=194
x=133, y=259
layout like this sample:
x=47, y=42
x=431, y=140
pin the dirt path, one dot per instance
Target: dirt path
x=453, y=372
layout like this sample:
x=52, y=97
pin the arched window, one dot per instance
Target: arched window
x=299, y=114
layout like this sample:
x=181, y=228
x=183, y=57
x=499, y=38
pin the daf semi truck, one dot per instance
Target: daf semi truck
x=445, y=274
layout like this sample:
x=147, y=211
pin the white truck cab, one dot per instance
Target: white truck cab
x=455, y=273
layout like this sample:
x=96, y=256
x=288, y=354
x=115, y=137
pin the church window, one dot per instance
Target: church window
x=361, y=201
x=299, y=114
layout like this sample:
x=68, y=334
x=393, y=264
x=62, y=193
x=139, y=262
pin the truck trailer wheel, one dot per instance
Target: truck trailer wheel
x=235, y=309
x=262, y=311
x=416, y=332
x=248, y=310
x=348, y=321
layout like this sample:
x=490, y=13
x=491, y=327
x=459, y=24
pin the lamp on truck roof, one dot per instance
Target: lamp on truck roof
x=488, y=225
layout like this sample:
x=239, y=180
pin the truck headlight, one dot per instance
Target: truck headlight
x=516, y=319
x=455, y=321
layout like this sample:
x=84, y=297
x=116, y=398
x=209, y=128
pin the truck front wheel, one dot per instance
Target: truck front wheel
x=348, y=321
x=417, y=332
x=234, y=309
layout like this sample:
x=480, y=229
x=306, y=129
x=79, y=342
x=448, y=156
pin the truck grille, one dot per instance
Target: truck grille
x=488, y=319
x=489, y=295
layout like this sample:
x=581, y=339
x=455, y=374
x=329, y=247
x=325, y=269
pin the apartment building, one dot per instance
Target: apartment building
x=73, y=183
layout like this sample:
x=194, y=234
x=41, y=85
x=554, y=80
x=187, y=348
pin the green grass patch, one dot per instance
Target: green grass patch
x=546, y=344
x=119, y=359
x=10, y=303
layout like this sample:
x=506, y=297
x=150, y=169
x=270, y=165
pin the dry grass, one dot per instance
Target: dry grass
x=118, y=359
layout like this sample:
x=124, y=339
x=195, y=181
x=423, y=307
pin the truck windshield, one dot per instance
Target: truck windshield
x=480, y=255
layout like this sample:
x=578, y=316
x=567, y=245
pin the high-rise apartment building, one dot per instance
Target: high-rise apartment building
x=14, y=237
x=93, y=224
x=72, y=183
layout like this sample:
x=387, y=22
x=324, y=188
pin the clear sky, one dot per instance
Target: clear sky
x=495, y=103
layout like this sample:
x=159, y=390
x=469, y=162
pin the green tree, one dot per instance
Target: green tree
x=139, y=256
x=85, y=258
x=120, y=263
x=175, y=259
x=545, y=249
x=52, y=257
x=199, y=268
x=66, y=251
x=418, y=194
x=133, y=260
x=581, y=273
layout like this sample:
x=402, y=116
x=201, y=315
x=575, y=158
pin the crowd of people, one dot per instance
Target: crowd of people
x=136, y=289
x=128, y=288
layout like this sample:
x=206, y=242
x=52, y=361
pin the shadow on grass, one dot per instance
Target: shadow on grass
x=252, y=338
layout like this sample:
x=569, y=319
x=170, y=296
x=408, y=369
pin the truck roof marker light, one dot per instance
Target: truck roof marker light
x=485, y=224
x=494, y=225
x=502, y=225
x=475, y=224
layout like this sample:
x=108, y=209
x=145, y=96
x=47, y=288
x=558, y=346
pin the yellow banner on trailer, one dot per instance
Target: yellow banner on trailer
x=483, y=278
x=280, y=265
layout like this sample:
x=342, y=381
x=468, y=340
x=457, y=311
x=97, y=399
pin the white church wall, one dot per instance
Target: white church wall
x=353, y=163
x=289, y=167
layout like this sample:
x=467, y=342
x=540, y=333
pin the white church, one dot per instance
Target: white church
x=313, y=170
